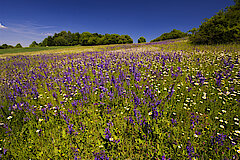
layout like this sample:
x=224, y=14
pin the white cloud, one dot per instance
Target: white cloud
x=24, y=33
x=2, y=26
x=47, y=34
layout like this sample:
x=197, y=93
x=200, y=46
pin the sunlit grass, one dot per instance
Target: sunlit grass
x=149, y=101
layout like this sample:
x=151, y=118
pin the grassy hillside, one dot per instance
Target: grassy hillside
x=46, y=50
x=156, y=100
x=27, y=49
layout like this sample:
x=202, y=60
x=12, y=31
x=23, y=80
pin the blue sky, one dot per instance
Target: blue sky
x=28, y=20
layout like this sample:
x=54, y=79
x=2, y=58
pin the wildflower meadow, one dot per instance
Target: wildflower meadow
x=161, y=100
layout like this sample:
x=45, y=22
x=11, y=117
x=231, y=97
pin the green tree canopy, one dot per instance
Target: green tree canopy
x=224, y=27
x=60, y=41
x=171, y=35
x=18, y=46
x=237, y=1
x=84, y=39
x=49, y=41
x=34, y=44
x=5, y=46
x=141, y=40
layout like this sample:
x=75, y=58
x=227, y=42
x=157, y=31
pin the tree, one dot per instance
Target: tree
x=128, y=39
x=49, y=41
x=113, y=39
x=18, y=45
x=141, y=40
x=34, y=44
x=122, y=39
x=92, y=41
x=237, y=1
x=85, y=39
x=171, y=35
x=224, y=27
x=60, y=41
x=5, y=46
x=193, y=31
x=75, y=39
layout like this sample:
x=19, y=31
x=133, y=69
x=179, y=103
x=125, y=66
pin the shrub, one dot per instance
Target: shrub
x=224, y=27
x=18, y=45
x=141, y=40
x=5, y=46
x=34, y=44
x=171, y=35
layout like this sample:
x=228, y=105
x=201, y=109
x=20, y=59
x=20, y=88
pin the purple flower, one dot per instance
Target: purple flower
x=70, y=129
x=137, y=114
x=193, y=120
x=100, y=155
x=130, y=120
x=219, y=139
x=174, y=121
x=54, y=95
x=4, y=151
x=155, y=113
x=107, y=134
x=190, y=150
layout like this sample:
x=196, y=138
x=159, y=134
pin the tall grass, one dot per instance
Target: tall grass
x=153, y=101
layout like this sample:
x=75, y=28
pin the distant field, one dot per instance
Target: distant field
x=69, y=49
x=46, y=50
x=27, y=49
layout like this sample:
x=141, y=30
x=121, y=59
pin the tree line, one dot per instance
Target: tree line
x=171, y=35
x=6, y=46
x=224, y=27
x=84, y=39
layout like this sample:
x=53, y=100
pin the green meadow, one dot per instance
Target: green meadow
x=160, y=100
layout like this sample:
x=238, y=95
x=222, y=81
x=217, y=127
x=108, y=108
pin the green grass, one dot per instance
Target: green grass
x=28, y=49
x=157, y=101
x=50, y=50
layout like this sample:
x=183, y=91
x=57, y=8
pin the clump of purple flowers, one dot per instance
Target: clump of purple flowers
x=70, y=129
x=219, y=139
x=194, y=120
x=174, y=121
x=130, y=120
x=190, y=151
x=100, y=155
x=164, y=157
x=107, y=133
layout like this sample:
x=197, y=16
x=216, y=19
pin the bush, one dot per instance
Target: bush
x=141, y=40
x=60, y=41
x=5, y=46
x=172, y=35
x=34, y=44
x=18, y=45
x=221, y=28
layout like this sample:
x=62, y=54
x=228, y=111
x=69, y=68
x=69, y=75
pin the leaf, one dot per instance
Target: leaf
x=101, y=133
x=63, y=133
x=55, y=150
x=40, y=154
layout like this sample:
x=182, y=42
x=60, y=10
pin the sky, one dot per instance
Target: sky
x=26, y=21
